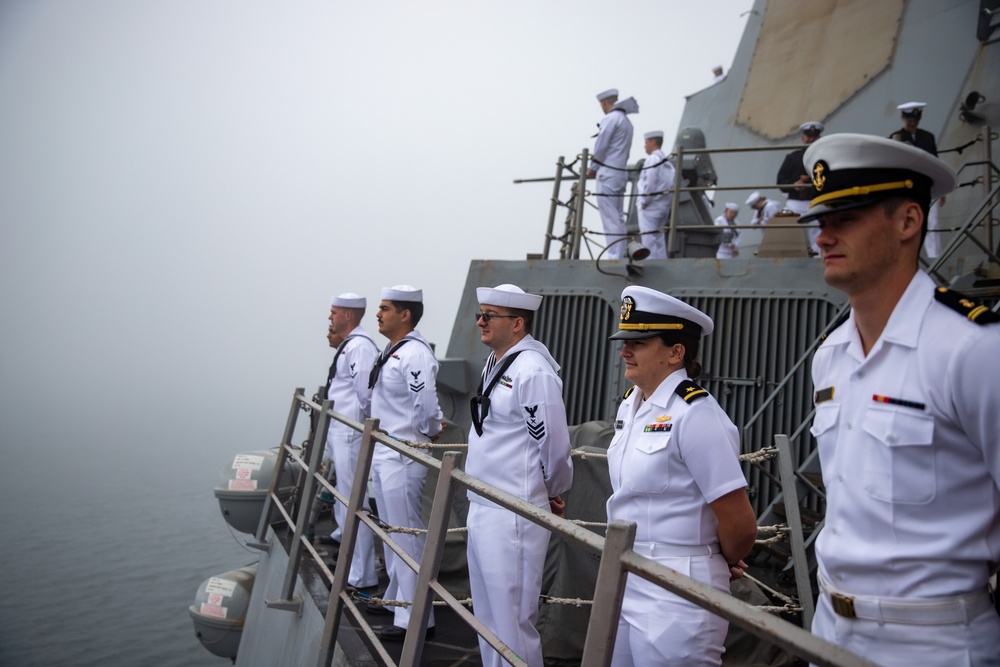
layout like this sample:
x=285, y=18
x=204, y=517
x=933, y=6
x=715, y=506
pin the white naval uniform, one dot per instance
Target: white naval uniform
x=913, y=485
x=351, y=397
x=614, y=139
x=668, y=460
x=654, y=209
x=729, y=248
x=404, y=401
x=768, y=211
x=524, y=450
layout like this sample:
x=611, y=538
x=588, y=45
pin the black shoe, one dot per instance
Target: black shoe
x=326, y=539
x=378, y=610
x=365, y=591
x=392, y=633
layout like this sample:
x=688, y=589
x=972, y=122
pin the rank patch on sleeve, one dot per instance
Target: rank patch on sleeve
x=417, y=385
x=534, y=423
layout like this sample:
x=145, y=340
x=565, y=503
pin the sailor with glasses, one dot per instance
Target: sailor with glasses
x=520, y=444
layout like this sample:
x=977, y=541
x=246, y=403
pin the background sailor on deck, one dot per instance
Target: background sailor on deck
x=656, y=180
x=611, y=149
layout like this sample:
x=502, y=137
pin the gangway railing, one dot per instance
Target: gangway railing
x=617, y=559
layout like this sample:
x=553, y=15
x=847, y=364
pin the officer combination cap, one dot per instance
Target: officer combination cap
x=610, y=92
x=349, y=300
x=402, y=293
x=646, y=313
x=854, y=170
x=655, y=134
x=912, y=109
x=753, y=198
x=811, y=128
x=730, y=206
x=508, y=296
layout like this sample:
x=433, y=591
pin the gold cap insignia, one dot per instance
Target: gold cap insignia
x=819, y=175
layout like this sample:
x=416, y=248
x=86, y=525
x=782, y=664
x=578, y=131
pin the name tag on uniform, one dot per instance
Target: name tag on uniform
x=823, y=395
x=619, y=424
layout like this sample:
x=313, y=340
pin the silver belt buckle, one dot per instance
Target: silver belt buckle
x=843, y=605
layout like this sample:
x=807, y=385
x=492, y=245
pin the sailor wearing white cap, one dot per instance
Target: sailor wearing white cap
x=519, y=444
x=911, y=113
x=656, y=180
x=614, y=139
x=729, y=245
x=793, y=172
x=906, y=421
x=404, y=400
x=348, y=389
x=675, y=472
x=764, y=208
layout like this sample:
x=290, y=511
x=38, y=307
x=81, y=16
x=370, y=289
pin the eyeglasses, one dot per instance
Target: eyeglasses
x=493, y=316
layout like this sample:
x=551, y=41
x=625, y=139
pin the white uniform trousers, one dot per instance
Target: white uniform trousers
x=610, y=199
x=506, y=558
x=933, y=240
x=652, y=220
x=800, y=206
x=976, y=643
x=659, y=629
x=399, y=489
x=346, y=447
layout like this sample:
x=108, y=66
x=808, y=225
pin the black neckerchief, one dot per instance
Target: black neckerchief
x=480, y=403
x=340, y=350
x=377, y=369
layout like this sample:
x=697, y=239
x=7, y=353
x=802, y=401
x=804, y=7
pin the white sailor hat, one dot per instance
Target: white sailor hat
x=854, y=170
x=753, y=198
x=732, y=207
x=655, y=134
x=912, y=109
x=508, y=296
x=610, y=92
x=349, y=300
x=646, y=313
x=811, y=127
x=402, y=293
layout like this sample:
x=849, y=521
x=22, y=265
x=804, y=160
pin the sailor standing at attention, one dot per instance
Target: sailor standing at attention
x=906, y=420
x=614, y=139
x=798, y=184
x=656, y=180
x=519, y=444
x=729, y=244
x=348, y=389
x=404, y=400
x=911, y=112
x=675, y=472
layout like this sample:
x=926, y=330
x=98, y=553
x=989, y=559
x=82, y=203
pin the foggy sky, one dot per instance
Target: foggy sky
x=185, y=184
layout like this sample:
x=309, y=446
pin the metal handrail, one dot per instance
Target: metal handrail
x=615, y=550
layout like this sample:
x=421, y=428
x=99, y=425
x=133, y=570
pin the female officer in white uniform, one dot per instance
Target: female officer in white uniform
x=675, y=472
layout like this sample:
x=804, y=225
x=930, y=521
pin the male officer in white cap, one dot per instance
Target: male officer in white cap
x=656, y=181
x=519, y=444
x=906, y=420
x=404, y=400
x=614, y=139
x=348, y=389
x=911, y=113
x=675, y=472
x=793, y=172
x=729, y=245
x=764, y=208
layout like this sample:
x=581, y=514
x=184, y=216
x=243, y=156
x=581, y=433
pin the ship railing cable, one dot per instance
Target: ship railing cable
x=618, y=561
x=632, y=169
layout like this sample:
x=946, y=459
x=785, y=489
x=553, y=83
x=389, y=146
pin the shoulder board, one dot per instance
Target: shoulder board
x=689, y=391
x=628, y=392
x=966, y=307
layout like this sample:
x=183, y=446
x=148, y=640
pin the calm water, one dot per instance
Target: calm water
x=105, y=541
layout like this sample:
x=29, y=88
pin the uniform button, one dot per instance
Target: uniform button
x=840, y=478
x=833, y=530
x=891, y=438
x=849, y=426
x=861, y=375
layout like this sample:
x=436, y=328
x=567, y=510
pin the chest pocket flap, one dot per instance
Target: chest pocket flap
x=825, y=418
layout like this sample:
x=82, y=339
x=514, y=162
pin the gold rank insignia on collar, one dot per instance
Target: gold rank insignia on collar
x=689, y=391
x=963, y=305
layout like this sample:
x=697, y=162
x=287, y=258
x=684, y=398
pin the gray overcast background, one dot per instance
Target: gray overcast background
x=185, y=183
